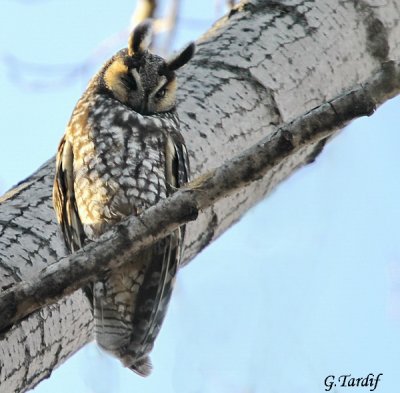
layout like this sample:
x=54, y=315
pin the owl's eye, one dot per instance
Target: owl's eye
x=129, y=82
x=161, y=93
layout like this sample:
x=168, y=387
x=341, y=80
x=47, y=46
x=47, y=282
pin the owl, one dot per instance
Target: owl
x=122, y=152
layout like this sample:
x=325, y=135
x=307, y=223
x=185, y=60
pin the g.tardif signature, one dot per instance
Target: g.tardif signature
x=348, y=381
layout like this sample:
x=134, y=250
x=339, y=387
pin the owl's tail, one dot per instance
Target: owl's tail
x=142, y=366
x=158, y=286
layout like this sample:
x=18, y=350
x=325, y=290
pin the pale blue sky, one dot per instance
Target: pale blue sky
x=306, y=285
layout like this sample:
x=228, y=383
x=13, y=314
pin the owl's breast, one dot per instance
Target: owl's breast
x=119, y=170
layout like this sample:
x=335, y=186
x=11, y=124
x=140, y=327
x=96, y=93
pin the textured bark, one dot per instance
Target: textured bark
x=134, y=234
x=263, y=66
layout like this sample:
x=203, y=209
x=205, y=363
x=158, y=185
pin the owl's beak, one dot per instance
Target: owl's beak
x=144, y=108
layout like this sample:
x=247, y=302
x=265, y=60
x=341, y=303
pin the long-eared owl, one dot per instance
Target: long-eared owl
x=121, y=153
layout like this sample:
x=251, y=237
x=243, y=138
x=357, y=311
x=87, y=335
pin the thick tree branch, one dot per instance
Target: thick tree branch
x=119, y=245
x=259, y=68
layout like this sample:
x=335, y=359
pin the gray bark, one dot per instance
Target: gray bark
x=119, y=245
x=263, y=66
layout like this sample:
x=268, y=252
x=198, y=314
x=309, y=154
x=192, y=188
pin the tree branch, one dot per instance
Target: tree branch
x=41, y=77
x=144, y=9
x=120, y=244
x=256, y=70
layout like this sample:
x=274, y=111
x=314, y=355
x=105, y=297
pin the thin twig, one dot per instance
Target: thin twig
x=145, y=9
x=43, y=77
x=169, y=25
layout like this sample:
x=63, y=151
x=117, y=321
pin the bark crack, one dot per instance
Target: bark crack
x=243, y=74
x=299, y=17
x=205, y=238
x=377, y=34
x=9, y=272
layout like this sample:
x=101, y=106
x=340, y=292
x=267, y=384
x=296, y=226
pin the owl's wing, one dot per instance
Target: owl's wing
x=181, y=170
x=64, y=198
x=160, y=275
x=65, y=204
x=181, y=164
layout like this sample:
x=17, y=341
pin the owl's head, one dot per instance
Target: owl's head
x=141, y=80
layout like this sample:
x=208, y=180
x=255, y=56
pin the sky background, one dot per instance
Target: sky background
x=306, y=285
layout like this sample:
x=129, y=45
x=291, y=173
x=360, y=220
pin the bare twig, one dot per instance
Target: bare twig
x=145, y=9
x=137, y=233
x=168, y=25
x=43, y=77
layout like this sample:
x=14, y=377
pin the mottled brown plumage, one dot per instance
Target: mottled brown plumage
x=121, y=153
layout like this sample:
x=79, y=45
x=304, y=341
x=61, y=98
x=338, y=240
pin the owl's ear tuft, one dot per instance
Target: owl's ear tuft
x=182, y=57
x=140, y=38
